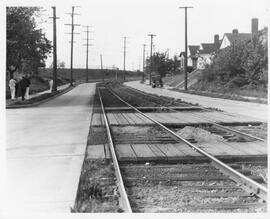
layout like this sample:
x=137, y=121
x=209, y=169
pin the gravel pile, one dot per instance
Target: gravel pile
x=200, y=135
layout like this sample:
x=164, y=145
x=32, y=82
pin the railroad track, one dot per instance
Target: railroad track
x=211, y=186
x=216, y=126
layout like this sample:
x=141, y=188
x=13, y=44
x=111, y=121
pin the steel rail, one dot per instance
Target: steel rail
x=123, y=200
x=248, y=184
x=210, y=121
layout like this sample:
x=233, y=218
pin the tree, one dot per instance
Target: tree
x=162, y=64
x=243, y=64
x=60, y=64
x=26, y=45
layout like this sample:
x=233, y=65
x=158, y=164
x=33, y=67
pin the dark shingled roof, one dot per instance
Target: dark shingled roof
x=193, y=50
x=233, y=37
x=209, y=48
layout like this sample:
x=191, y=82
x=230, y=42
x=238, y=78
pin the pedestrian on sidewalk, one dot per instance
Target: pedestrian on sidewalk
x=28, y=82
x=23, y=85
x=51, y=84
x=12, y=87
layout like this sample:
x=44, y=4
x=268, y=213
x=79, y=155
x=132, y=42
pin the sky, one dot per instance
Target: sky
x=111, y=20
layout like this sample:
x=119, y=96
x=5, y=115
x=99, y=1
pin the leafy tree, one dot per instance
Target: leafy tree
x=26, y=44
x=162, y=64
x=60, y=64
x=243, y=64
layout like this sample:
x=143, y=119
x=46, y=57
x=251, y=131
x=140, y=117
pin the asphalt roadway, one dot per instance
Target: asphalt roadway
x=254, y=110
x=45, y=151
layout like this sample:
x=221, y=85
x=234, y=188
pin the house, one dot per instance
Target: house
x=192, y=58
x=192, y=55
x=182, y=60
x=206, y=52
x=200, y=56
x=229, y=38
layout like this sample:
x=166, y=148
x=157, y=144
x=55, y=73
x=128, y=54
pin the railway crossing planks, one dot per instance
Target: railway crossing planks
x=129, y=118
x=143, y=152
x=187, y=118
x=171, y=152
x=158, y=153
x=213, y=148
x=136, y=118
x=179, y=151
x=112, y=119
x=120, y=119
x=249, y=148
x=125, y=152
x=185, y=149
x=146, y=121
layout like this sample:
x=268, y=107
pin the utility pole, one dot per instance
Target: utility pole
x=54, y=88
x=101, y=67
x=87, y=45
x=125, y=38
x=143, y=62
x=186, y=42
x=72, y=33
x=139, y=63
x=151, y=47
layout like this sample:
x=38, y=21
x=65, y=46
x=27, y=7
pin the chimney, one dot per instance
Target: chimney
x=254, y=25
x=216, y=39
x=235, y=31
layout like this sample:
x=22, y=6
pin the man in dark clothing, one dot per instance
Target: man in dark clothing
x=23, y=86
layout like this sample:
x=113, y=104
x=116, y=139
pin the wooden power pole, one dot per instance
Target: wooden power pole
x=151, y=47
x=143, y=71
x=87, y=46
x=54, y=88
x=101, y=67
x=186, y=42
x=71, y=52
x=124, y=76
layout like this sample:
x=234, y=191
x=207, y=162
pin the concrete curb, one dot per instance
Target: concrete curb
x=41, y=101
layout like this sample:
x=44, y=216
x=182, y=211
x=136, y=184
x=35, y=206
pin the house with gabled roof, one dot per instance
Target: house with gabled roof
x=206, y=52
x=182, y=60
x=192, y=55
x=200, y=56
x=230, y=38
x=192, y=58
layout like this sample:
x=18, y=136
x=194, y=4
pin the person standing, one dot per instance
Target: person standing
x=28, y=82
x=12, y=87
x=51, y=85
x=23, y=85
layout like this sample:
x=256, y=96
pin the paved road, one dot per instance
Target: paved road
x=255, y=110
x=45, y=152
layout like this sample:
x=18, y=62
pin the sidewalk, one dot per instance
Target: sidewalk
x=45, y=150
x=255, y=110
x=59, y=88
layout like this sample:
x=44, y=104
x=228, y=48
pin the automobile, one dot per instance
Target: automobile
x=156, y=80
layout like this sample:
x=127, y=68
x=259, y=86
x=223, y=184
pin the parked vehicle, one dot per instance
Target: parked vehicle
x=156, y=80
